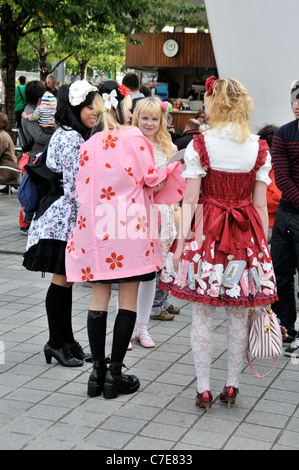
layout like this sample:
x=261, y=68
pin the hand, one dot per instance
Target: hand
x=160, y=186
x=24, y=115
x=176, y=258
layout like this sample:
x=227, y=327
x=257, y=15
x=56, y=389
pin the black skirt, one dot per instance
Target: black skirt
x=47, y=256
x=140, y=278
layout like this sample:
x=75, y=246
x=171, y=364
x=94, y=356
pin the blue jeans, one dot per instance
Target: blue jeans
x=160, y=301
x=285, y=258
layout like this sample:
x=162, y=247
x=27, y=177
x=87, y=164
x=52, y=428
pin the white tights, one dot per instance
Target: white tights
x=202, y=342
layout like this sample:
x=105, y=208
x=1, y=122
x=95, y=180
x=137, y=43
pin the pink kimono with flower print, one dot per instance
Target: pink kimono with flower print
x=116, y=235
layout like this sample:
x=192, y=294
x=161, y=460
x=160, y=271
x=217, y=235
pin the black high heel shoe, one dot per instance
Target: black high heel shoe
x=62, y=355
x=78, y=352
x=116, y=382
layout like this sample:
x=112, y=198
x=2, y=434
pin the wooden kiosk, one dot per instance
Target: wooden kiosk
x=181, y=61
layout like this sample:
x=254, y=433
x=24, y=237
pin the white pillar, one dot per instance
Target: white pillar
x=257, y=43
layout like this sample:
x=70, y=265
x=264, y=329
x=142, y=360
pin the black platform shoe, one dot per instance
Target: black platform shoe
x=96, y=380
x=116, y=382
x=62, y=355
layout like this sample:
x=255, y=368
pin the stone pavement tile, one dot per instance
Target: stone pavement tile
x=289, y=439
x=27, y=425
x=128, y=424
x=67, y=432
x=148, y=443
x=258, y=432
x=13, y=441
x=176, y=418
x=267, y=419
x=104, y=439
x=206, y=439
x=246, y=443
x=45, y=443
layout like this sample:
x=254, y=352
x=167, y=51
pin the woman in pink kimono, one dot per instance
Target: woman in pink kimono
x=116, y=236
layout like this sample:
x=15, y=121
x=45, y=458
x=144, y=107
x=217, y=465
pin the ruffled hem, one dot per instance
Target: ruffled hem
x=218, y=302
x=47, y=256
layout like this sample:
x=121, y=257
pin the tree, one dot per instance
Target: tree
x=22, y=17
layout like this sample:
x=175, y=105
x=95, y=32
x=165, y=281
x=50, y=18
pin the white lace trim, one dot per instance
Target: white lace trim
x=227, y=133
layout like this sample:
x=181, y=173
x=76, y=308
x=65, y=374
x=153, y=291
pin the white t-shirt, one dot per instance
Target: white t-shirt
x=226, y=154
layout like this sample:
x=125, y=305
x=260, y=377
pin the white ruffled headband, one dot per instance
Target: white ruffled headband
x=79, y=90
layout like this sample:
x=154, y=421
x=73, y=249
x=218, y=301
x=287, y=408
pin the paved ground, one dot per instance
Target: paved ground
x=45, y=406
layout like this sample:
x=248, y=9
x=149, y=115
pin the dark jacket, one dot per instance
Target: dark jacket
x=183, y=141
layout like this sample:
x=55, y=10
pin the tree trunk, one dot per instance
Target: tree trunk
x=83, y=68
x=43, y=55
x=9, y=47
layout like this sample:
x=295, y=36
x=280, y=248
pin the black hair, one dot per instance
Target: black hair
x=107, y=87
x=22, y=80
x=267, y=132
x=33, y=91
x=131, y=81
x=69, y=116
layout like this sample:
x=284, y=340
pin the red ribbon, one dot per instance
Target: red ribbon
x=222, y=229
x=210, y=82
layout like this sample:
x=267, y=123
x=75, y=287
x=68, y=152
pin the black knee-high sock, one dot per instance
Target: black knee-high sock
x=55, y=306
x=68, y=327
x=96, y=329
x=122, y=333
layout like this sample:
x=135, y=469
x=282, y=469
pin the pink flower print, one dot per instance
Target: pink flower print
x=70, y=246
x=107, y=193
x=142, y=225
x=115, y=261
x=81, y=222
x=87, y=276
x=110, y=142
x=129, y=171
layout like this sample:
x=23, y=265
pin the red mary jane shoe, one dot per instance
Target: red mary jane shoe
x=228, y=395
x=204, y=399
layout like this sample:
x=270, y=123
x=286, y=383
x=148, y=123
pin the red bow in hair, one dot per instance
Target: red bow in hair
x=210, y=82
x=123, y=90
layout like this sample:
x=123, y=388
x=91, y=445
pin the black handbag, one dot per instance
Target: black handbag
x=24, y=142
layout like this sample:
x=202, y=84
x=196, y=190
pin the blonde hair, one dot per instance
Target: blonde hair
x=230, y=103
x=111, y=119
x=152, y=106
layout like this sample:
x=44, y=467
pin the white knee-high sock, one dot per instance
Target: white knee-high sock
x=202, y=343
x=237, y=342
x=145, y=299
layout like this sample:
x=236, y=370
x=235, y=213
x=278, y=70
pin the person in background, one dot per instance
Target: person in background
x=34, y=92
x=20, y=99
x=202, y=118
x=131, y=81
x=285, y=234
x=191, y=129
x=145, y=90
x=150, y=117
x=51, y=81
x=7, y=156
x=221, y=257
x=44, y=113
x=170, y=127
x=49, y=232
x=116, y=185
x=273, y=193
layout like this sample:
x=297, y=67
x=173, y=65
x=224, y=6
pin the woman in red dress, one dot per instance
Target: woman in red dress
x=221, y=256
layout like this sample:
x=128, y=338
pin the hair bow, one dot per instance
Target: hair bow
x=123, y=90
x=79, y=90
x=210, y=82
x=110, y=100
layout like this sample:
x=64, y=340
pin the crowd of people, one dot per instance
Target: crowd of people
x=220, y=232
